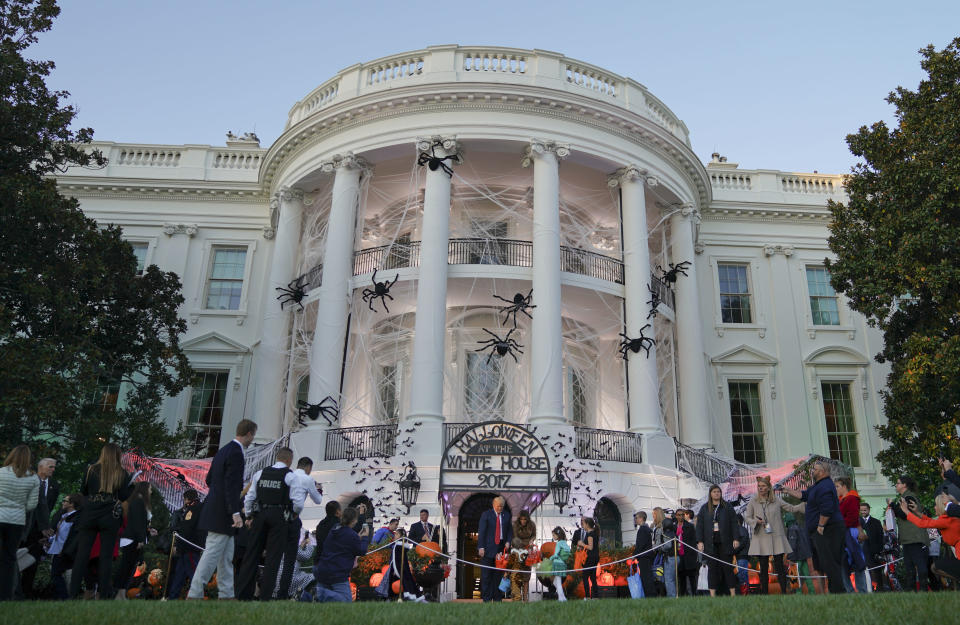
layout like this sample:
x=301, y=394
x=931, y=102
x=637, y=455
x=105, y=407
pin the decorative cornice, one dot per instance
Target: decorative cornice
x=164, y=191
x=539, y=147
x=289, y=194
x=170, y=229
x=346, y=161
x=766, y=213
x=786, y=250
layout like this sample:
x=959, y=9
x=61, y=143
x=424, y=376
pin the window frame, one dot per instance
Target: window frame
x=758, y=323
x=848, y=383
x=200, y=293
x=749, y=293
x=195, y=428
x=762, y=434
x=150, y=242
x=810, y=298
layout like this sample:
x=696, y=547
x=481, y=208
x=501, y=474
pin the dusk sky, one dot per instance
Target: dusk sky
x=770, y=85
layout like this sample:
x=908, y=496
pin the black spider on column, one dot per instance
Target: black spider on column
x=327, y=408
x=500, y=346
x=635, y=345
x=670, y=277
x=380, y=290
x=294, y=292
x=434, y=162
x=519, y=303
x=654, y=301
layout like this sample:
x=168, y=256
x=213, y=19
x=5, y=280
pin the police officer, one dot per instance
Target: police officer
x=188, y=544
x=269, y=510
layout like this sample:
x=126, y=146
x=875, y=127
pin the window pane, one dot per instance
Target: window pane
x=106, y=394
x=207, y=399
x=734, y=294
x=746, y=422
x=229, y=263
x=140, y=251
x=389, y=387
x=484, y=392
x=824, y=309
x=578, y=398
x=841, y=427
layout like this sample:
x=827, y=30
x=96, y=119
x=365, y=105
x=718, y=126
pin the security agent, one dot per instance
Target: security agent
x=269, y=504
x=303, y=486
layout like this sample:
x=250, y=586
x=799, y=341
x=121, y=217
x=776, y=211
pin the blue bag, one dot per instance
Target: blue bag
x=505, y=585
x=634, y=583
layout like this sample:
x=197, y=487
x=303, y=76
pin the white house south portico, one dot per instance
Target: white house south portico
x=492, y=262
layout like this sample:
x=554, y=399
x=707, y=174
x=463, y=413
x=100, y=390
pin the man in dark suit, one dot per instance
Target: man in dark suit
x=496, y=531
x=644, y=545
x=188, y=545
x=873, y=546
x=38, y=528
x=424, y=530
x=220, y=514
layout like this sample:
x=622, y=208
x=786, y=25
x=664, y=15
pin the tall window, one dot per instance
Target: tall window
x=208, y=395
x=389, y=387
x=747, y=422
x=140, y=251
x=491, y=251
x=734, y=294
x=577, y=397
x=609, y=524
x=841, y=430
x=823, y=299
x=225, y=285
x=484, y=388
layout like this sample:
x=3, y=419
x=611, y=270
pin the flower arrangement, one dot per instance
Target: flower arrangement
x=369, y=564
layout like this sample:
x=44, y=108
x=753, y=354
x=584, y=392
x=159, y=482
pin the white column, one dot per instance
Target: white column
x=643, y=393
x=330, y=331
x=695, y=426
x=272, y=358
x=430, y=329
x=546, y=340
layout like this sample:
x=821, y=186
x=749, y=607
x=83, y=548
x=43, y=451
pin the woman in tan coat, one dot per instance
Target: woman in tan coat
x=764, y=516
x=524, y=533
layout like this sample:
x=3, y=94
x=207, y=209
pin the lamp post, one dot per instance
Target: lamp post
x=560, y=487
x=409, y=486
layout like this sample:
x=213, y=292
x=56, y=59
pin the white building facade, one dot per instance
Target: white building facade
x=474, y=180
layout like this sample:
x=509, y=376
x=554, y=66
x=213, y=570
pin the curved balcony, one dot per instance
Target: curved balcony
x=503, y=252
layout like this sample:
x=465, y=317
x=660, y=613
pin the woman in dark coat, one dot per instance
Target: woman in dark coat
x=717, y=537
x=134, y=536
x=106, y=486
x=688, y=560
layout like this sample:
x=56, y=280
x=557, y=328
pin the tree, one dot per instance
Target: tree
x=75, y=316
x=897, y=247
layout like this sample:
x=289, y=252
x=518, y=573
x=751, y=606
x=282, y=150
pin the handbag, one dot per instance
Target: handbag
x=501, y=559
x=505, y=585
x=634, y=583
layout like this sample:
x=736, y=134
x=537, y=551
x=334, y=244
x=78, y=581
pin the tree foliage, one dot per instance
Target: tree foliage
x=74, y=313
x=897, y=247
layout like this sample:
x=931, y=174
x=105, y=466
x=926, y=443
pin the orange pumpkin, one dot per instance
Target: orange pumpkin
x=353, y=591
x=375, y=579
x=620, y=581
x=605, y=579
x=396, y=587
x=548, y=549
x=571, y=589
x=424, y=549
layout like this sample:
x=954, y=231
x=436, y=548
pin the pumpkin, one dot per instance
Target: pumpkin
x=427, y=549
x=375, y=579
x=353, y=591
x=605, y=579
x=620, y=581
x=396, y=587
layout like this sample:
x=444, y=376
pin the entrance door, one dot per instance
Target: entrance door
x=468, y=527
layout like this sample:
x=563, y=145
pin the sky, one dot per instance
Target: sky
x=770, y=85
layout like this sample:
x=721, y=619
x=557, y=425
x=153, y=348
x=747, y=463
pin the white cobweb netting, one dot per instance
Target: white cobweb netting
x=491, y=226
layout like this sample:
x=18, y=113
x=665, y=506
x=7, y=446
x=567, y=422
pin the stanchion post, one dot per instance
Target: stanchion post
x=166, y=580
x=403, y=554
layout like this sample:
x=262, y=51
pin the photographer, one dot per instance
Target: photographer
x=913, y=540
x=340, y=550
x=949, y=528
x=947, y=472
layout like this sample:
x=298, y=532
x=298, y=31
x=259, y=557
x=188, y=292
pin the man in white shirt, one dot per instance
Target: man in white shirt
x=63, y=534
x=303, y=486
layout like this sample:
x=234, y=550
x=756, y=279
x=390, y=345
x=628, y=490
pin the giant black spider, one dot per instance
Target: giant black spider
x=654, y=301
x=327, y=408
x=519, y=303
x=670, y=277
x=295, y=291
x=500, y=346
x=434, y=162
x=380, y=290
x=635, y=345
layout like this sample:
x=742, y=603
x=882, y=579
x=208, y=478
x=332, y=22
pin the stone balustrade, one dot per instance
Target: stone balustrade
x=732, y=186
x=511, y=66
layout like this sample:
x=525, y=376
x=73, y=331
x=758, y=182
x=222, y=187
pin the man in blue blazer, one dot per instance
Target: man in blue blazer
x=496, y=531
x=220, y=515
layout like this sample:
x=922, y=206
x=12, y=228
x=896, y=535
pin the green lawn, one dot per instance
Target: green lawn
x=880, y=609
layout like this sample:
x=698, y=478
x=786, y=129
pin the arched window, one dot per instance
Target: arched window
x=609, y=523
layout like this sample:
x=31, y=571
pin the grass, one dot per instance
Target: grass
x=791, y=610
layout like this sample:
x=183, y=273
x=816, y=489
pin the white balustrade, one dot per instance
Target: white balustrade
x=589, y=78
x=394, y=70
x=149, y=158
x=808, y=184
x=236, y=160
x=731, y=180
x=493, y=61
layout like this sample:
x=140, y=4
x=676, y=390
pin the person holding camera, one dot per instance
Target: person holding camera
x=913, y=539
x=947, y=473
x=764, y=515
x=341, y=548
x=949, y=527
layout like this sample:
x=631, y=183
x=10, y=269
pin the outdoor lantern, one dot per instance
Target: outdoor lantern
x=560, y=487
x=409, y=487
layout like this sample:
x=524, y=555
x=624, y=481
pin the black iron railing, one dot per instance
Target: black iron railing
x=504, y=252
x=372, y=441
x=452, y=430
x=703, y=465
x=593, y=444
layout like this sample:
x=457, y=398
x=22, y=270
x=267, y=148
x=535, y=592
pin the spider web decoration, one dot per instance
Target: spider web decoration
x=491, y=225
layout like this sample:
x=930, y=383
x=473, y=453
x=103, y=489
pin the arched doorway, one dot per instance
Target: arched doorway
x=609, y=523
x=468, y=525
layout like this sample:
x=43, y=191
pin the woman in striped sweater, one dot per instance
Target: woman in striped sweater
x=19, y=493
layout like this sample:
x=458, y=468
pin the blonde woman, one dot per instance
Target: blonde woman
x=19, y=494
x=764, y=516
x=106, y=486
